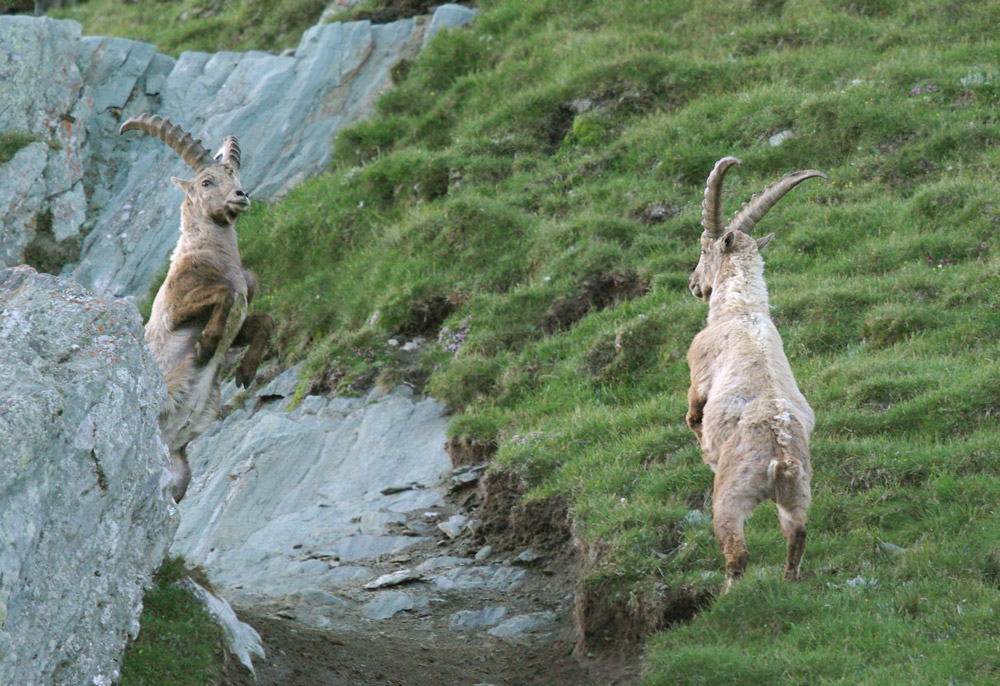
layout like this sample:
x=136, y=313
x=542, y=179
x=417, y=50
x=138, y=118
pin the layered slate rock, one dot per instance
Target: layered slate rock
x=100, y=206
x=284, y=502
x=85, y=508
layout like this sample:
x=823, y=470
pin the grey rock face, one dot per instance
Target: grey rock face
x=52, y=105
x=85, y=507
x=114, y=191
x=284, y=502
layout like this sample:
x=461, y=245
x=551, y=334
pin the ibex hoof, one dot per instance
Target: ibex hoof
x=245, y=377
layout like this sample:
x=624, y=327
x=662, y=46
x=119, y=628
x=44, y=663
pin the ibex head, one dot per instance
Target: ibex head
x=215, y=192
x=718, y=241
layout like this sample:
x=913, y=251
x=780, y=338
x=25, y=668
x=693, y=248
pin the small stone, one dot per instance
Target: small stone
x=521, y=624
x=454, y=526
x=484, y=553
x=441, y=562
x=475, y=619
x=890, y=548
x=394, y=579
x=528, y=557
x=465, y=477
x=780, y=137
x=415, y=344
x=400, y=488
x=696, y=518
x=387, y=604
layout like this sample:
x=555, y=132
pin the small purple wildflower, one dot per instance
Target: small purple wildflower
x=367, y=354
x=928, y=88
x=453, y=339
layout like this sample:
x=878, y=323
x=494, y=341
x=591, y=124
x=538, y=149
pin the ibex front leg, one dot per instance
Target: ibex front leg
x=256, y=333
x=214, y=302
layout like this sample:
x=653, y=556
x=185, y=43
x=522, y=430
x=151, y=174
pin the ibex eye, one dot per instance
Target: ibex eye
x=206, y=183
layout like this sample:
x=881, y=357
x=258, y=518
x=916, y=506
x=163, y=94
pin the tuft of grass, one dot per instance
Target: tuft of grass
x=11, y=142
x=44, y=252
x=178, y=641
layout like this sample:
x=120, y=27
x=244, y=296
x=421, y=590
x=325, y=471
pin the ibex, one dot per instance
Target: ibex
x=200, y=310
x=752, y=422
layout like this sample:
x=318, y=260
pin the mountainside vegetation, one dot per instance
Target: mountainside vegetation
x=528, y=198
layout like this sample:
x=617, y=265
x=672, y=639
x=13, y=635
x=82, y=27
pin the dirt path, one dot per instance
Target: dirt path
x=305, y=657
x=423, y=646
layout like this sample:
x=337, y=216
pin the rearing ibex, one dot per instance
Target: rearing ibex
x=752, y=422
x=200, y=310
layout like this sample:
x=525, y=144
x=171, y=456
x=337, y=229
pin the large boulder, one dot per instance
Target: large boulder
x=78, y=197
x=85, y=508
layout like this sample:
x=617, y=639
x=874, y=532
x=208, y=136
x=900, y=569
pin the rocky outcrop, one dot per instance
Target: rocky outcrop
x=344, y=514
x=101, y=203
x=85, y=507
x=286, y=502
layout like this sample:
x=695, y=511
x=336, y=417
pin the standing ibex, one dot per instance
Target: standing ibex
x=200, y=310
x=752, y=422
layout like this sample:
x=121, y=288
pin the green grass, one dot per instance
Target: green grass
x=11, y=142
x=206, y=25
x=178, y=643
x=478, y=198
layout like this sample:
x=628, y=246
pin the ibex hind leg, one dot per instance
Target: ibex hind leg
x=792, y=496
x=794, y=528
x=730, y=508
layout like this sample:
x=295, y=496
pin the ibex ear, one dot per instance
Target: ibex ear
x=186, y=186
x=728, y=241
x=764, y=242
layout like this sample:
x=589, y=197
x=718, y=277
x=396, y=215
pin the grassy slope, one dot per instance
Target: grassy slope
x=207, y=25
x=475, y=188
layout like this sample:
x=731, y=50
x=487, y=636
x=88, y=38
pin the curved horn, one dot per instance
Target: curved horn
x=230, y=152
x=193, y=152
x=753, y=211
x=711, y=206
